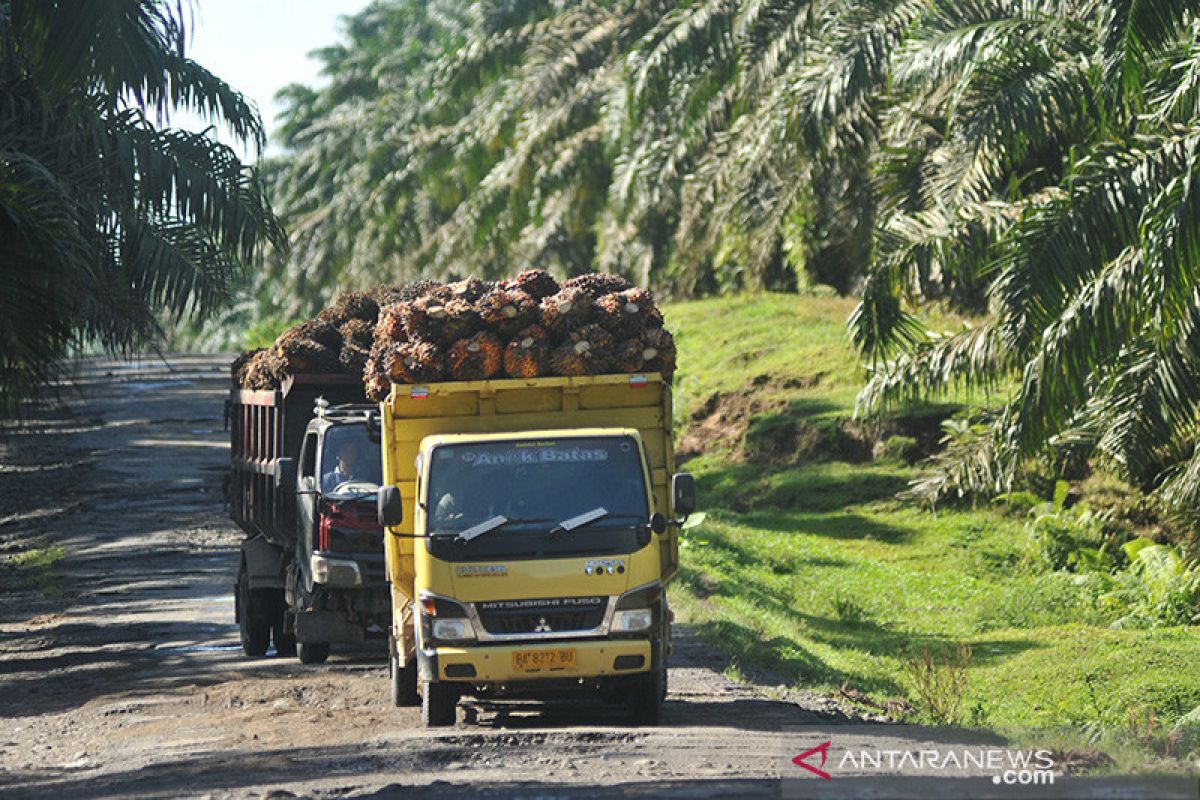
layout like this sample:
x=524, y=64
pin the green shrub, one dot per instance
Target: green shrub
x=904, y=448
x=1157, y=589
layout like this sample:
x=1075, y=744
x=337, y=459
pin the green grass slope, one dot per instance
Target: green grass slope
x=809, y=566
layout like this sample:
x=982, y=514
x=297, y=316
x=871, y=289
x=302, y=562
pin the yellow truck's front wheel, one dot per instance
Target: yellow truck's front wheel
x=645, y=697
x=439, y=704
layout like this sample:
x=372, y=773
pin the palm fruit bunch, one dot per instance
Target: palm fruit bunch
x=651, y=351
x=439, y=317
x=567, y=309
x=628, y=313
x=351, y=305
x=504, y=311
x=476, y=358
x=598, y=284
x=537, y=283
x=388, y=295
x=309, y=348
x=470, y=289
x=585, y=351
x=413, y=362
x=525, y=327
x=263, y=371
x=528, y=354
x=241, y=365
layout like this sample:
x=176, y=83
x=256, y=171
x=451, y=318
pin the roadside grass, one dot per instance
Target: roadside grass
x=35, y=568
x=815, y=571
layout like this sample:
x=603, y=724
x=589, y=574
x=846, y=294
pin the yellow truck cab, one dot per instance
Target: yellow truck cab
x=531, y=535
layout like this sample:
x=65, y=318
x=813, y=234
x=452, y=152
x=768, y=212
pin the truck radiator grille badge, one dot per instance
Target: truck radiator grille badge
x=501, y=617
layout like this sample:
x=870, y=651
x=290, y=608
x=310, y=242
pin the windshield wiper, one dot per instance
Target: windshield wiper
x=586, y=518
x=565, y=526
x=495, y=523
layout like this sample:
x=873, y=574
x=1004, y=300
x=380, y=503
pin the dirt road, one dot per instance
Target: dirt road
x=120, y=672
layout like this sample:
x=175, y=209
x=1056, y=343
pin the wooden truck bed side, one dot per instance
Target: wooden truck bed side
x=264, y=426
x=411, y=413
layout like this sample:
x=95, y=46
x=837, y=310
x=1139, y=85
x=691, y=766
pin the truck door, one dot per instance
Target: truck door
x=307, y=498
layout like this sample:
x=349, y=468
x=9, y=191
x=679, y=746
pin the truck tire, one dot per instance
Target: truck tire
x=404, y=683
x=312, y=652
x=439, y=704
x=645, y=698
x=254, y=619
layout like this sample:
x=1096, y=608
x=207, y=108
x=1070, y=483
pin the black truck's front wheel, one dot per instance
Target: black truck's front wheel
x=254, y=617
x=312, y=652
x=439, y=704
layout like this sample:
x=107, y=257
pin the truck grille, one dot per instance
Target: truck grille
x=502, y=617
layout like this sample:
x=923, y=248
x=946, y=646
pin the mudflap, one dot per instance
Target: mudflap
x=266, y=564
x=326, y=626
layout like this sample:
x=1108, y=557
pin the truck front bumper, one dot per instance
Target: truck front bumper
x=499, y=663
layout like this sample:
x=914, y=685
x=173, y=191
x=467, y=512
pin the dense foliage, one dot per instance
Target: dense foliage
x=107, y=219
x=1034, y=163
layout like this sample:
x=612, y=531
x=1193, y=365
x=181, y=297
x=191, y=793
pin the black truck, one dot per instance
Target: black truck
x=304, y=472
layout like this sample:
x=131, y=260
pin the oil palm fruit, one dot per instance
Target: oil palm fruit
x=537, y=283
x=350, y=305
x=652, y=351
x=305, y=356
x=353, y=358
x=390, y=327
x=476, y=358
x=569, y=308
x=528, y=354
x=440, y=319
x=598, y=284
x=414, y=362
x=586, y=351
x=628, y=313
x=264, y=370
x=387, y=295
x=506, y=311
x=470, y=289
x=240, y=365
x=314, y=330
x=358, y=332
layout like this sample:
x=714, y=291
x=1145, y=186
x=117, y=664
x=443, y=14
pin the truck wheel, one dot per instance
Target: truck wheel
x=439, y=703
x=254, y=620
x=645, y=698
x=312, y=652
x=404, y=683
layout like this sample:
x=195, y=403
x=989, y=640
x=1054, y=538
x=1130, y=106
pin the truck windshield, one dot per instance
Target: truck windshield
x=349, y=460
x=535, y=485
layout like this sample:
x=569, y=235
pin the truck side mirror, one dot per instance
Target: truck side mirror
x=658, y=523
x=683, y=494
x=389, y=506
x=285, y=474
x=374, y=428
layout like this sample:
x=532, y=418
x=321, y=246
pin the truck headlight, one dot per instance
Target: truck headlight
x=452, y=630
x=637, y=619
x=335, y=571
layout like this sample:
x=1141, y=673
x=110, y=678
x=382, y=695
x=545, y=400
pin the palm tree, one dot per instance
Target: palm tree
x=1062, y=169
x=108, y=221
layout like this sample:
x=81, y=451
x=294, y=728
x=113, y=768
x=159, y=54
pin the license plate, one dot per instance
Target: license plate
x=544, y=660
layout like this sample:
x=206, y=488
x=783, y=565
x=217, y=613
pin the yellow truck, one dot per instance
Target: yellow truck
x=532, y=528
